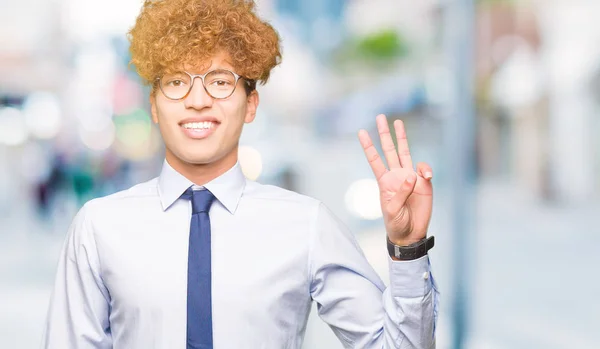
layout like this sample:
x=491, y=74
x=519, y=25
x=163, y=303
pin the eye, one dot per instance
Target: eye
x=220, y=79
x=221, y=83
x=175, y=80
x=175, y=83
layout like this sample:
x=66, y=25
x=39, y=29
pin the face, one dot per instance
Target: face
x=188, y=146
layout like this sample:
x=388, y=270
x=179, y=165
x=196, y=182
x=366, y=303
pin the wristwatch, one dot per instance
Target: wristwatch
x=413, y=251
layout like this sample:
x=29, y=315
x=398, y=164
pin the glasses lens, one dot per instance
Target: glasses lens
x=176, y=85
x=220, y=83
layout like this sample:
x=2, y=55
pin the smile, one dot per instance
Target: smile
x=199, y=125
x=199, y=130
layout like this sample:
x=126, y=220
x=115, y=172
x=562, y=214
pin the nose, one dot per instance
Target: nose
x=198, y=98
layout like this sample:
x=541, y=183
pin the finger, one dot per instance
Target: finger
x=387, y=144
x=424, y=170
x=403, y=150
x=372, y=155
x=407, y=187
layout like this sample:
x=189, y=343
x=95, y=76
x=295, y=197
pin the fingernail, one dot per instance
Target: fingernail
x=428, y=174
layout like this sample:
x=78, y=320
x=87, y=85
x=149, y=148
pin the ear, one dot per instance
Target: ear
x=251, y=106
x=153, y=109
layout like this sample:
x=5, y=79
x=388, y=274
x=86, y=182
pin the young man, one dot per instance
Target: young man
x=201, y=257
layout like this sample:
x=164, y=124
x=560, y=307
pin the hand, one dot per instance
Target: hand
x=406, y=196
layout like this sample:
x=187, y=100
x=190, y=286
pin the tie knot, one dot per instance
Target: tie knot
x=201, y=199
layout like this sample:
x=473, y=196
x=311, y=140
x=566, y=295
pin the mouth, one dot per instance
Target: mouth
x=199, y=129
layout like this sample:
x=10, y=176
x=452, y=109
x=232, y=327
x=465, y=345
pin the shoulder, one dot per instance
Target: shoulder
x=121, y=202
x=277, y=201
x=272, y=195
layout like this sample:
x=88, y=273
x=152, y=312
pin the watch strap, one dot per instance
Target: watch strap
x=412, y=251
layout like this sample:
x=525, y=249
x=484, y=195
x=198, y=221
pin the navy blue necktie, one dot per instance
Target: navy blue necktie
x=199, y=300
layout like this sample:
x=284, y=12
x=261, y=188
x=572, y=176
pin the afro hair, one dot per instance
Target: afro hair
x=171, y=34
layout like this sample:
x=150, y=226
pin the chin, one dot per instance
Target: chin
x=207, y=154
x=200, y=158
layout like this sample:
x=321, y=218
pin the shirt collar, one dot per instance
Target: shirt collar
x=227, y=188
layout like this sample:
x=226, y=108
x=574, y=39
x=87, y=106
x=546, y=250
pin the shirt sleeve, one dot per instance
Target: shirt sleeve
x=352, y=299
x=78, y=314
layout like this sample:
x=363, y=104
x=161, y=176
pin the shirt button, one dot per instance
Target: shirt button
x=426, y=275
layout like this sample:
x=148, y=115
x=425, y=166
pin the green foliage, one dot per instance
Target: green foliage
x=384, y=45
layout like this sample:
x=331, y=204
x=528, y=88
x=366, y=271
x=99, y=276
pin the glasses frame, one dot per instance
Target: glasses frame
x=202, y=76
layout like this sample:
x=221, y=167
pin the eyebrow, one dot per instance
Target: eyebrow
x=209, y=66
x=218, y=67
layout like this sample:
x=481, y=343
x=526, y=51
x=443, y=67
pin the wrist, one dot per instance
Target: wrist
x=403, y=242
x=411, y=251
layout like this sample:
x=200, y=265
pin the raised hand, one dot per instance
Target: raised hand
x=406, y=196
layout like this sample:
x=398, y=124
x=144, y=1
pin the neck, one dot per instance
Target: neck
x=200, y=174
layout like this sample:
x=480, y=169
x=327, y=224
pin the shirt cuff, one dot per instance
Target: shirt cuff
x=410, y=279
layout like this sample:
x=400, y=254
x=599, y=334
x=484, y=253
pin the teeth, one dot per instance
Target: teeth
x=199, y=125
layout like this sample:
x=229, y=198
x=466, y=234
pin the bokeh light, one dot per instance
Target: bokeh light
x=43, y=115
x=100, y=139
x=362, y=199
x=135, y=138
x=95, y=119
x=251, y=162
x=13, y=130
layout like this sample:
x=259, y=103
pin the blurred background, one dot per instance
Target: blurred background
x=501, y=97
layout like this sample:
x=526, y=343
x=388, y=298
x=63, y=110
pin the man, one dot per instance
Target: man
x=201, y=257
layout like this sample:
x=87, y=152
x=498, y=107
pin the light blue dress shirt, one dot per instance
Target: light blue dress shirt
x=122, y=275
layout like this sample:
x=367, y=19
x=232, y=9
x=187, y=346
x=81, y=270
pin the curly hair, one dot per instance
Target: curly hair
x=169, y=34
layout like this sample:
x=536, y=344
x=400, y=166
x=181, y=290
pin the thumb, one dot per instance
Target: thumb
x=407, y=187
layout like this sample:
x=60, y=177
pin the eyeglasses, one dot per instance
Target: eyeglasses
x=219, y=83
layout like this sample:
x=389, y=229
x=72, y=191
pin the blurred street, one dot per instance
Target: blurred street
x=507, y=89
x=534, y=278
